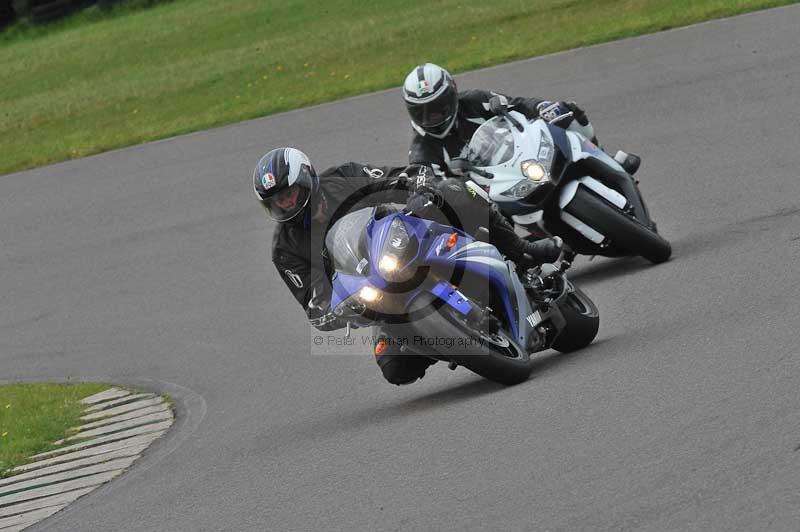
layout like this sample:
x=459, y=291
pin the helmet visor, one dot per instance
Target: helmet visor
x=286, y=202
x=436, y=115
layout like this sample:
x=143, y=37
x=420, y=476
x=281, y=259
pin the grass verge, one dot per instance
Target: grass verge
x=34, y=415
x=95, y=83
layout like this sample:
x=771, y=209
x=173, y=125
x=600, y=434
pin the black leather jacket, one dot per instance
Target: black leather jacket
x=473, y=110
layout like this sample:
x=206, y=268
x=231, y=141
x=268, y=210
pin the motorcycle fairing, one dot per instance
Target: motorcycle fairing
x=469, y=255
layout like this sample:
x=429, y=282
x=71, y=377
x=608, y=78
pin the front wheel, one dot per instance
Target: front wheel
x=502, y=360
x=623, y=231
x=583, y=321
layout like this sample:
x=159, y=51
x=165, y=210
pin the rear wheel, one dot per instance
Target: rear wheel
x=623, y=231
x=583, y=321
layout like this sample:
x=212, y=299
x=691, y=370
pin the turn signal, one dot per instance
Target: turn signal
x=451, y=240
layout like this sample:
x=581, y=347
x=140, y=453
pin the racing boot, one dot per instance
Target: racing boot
x=399, y=368
x=628, y=161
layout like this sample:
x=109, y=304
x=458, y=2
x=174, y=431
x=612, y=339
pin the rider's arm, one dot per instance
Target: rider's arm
x=428, y=151
x=355, y=184
x=475, y=103
x=306, y=280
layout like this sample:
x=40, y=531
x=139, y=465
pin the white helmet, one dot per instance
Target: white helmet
x=431, y=99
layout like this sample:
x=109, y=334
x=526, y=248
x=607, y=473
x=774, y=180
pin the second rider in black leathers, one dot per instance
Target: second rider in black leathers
x=444, y=119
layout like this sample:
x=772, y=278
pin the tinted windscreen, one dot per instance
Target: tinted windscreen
x=492, y=143
x=346, y=241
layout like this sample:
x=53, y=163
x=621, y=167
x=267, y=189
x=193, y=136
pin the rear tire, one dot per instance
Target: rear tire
x=583, y=321
x=623, y=231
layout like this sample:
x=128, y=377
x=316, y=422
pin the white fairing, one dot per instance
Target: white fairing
x=568, y=194
x=493, y=150
x=611, y=195
x=508, y=173
x=587, y=130
x=582, y=148
x=582, y=228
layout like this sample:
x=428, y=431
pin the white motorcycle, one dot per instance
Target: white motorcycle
x=540, y=174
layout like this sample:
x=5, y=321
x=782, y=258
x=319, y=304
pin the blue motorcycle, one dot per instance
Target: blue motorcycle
x=438, y=292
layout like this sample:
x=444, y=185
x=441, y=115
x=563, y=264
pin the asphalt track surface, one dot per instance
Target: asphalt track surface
x=151, y=266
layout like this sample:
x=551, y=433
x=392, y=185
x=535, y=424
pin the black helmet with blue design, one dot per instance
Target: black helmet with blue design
x=431, y=99
x=286, y=184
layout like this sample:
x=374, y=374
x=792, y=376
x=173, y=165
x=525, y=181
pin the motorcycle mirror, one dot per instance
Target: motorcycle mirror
x=497, y=106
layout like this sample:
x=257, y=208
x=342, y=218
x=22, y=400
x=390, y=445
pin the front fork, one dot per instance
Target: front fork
x=545, y=286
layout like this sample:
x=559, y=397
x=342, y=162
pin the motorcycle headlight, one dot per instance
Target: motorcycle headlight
x=535, y=174
x=369, y=294
x=398, y=249
x=388, y=264
x=533, y=170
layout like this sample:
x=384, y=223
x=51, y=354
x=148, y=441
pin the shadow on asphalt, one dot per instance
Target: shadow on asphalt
x=370, y=417
x=554, y=358
x=609, y=269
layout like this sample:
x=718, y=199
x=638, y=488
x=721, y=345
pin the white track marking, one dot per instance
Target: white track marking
x=45, y=502
x=75, y=464
x=28, y=519
x=124, y=417
x=94, y=480
x=100, y=450
x=122, y=425
x=122, y=409
x=127, y=398
x=114, y=465
x=107, y=395
x=138, y=431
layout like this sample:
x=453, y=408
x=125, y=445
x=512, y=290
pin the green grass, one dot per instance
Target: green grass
x=100, y=82
x=34, y=415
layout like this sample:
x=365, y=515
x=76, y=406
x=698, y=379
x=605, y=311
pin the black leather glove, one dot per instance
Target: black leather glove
x=545, y=250
x=421, y=199
x=577, y=113
x=555, y=113
x=418, y=177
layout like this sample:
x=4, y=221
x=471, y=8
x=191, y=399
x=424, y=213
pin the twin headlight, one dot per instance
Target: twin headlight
x=398, y=248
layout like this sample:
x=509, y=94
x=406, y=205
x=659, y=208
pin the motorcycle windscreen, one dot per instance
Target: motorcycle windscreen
x=492, y=143
x=346, y=241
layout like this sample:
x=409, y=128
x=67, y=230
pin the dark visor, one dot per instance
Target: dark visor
x=435, y=116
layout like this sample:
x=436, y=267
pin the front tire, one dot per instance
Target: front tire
x=623, y=231
x=583, y=322
x=503, y=361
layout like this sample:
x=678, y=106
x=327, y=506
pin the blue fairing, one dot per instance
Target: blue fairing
x=478, y=258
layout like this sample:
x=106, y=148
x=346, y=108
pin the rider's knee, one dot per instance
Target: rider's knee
x=399, y=368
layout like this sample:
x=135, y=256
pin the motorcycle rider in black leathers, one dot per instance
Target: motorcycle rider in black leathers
x=445, y=119
x=306, y=204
